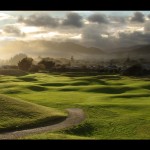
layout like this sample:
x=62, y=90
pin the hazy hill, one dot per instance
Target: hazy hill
x=45, y=48
x=139, y=51
x=67, y=49
x=16, y=114
x=58, y=49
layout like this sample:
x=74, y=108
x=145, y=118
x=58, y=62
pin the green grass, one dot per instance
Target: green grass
x=116, y=107
x=55, y=136
x=18, y=114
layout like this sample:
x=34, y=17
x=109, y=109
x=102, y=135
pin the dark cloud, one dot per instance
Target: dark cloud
x=92, y=36
x=138, y=17
x=39, y=20
x=98, y=18
x=73, y=19
x=101, y=33
x=91, y=33
x=135, y=38
x=10, y=29
x=118, y=19
x=147, y=26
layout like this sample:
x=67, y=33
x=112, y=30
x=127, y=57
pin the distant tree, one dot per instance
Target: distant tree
x=15, y=59
x=112, y=62
x=41, y=66
x=47, y=63
x=25, y=64
x=34, y=68
x=134, y=70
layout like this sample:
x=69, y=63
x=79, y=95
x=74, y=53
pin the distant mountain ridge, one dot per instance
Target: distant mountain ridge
x=138, y=51
x=54, y=49
x=68, y=49
x=72, y=47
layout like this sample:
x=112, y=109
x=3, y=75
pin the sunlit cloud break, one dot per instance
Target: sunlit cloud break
x=106, y=30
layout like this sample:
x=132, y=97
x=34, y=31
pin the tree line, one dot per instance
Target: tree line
x=47, y=65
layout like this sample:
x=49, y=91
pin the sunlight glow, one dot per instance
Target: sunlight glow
x=77, y=37
x=28, y=29
x=4, y=16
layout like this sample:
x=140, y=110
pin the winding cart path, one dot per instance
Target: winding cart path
x=75, y=117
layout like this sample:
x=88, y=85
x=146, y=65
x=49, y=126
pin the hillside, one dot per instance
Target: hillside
x=67, y=49
x=18, y=114
x=52, y=49
x=142, y=50
x=139, y=51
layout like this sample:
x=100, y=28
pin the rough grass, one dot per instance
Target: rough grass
x=55, y=136
x=116, y=107
x=18, y=114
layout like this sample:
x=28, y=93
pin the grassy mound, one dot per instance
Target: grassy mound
x=18, y=114
x=116, y=107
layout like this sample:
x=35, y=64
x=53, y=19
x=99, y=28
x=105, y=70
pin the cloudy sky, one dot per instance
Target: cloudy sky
x=106, y=30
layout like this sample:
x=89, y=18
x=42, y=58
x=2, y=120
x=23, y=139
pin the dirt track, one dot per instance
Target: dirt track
x=75, y=117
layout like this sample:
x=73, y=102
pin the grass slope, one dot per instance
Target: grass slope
x=17, y=114
x=116, y=107
x=55, y=136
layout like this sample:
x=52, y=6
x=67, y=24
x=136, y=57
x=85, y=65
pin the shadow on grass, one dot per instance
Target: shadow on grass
x=109, y=90
x=146, y=87
x=64, y=84
x=28, y=79
x=95, y=81
x=83, y=129
x=37, y=88
x=76, y=74
x=3, y=81
x=69, y=89
x=109, y=77
x=79, y=83
x=54, y=84
x=131, y=96
x=99, y=79
x=12, y=92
